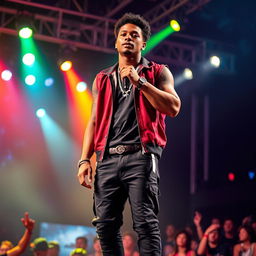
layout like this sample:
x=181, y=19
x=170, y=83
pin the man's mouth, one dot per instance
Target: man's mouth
x=128, y=45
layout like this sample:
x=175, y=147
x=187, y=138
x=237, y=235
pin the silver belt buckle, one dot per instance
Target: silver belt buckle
x=120, y=149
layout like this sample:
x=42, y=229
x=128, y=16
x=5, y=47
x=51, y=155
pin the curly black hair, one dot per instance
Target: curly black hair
x=136, y=20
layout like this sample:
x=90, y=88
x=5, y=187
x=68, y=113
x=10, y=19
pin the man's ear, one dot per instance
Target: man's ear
x=144, y=45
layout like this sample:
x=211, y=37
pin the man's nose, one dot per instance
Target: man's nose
x=128, y=37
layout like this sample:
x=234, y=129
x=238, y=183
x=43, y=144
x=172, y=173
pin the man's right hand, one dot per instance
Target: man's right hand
x=85, y=175
x=212, y=228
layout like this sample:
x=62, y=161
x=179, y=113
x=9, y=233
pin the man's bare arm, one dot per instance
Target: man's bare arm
x=24, y=241
x=163, y=97
x=85, y=170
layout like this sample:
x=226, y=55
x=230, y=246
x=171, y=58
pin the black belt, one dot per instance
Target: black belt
x=120, y=149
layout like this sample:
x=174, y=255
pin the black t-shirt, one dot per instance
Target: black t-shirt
x=229, y=242
x=124, y=127
x=220, y=250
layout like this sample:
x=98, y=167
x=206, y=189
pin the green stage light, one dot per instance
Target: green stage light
x=28, y=59
x=175, y=25
x=25, y=32
x=161, y=35
x=30, y=79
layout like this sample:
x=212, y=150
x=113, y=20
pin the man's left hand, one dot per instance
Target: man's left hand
x=131, y=73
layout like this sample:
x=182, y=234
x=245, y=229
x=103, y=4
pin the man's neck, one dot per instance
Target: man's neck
x=125, y=60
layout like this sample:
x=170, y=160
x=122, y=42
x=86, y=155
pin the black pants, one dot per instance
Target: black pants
x=135, y=177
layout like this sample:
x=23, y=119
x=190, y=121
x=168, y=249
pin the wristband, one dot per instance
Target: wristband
x=205, y=235
x=82, y=161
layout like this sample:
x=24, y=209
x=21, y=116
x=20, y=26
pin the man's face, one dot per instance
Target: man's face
x=80, y=243
x=96, y=246
x=170, y=231
x=181, y=240
x=128, y=242
x=130, y=40
x=52, y=252
x=214, y=236
x=228, y=226
x=40, y=253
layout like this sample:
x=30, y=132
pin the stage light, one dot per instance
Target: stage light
x=66, y=65
x=231, y=176
x=6, y=75
x=251, y=175
x=81, y=86
x=25, y=32
x=188, y=74
x=49, y=82
x=175, y=25
x=40, y=112
x=157, y=38
x=28, y=59
x=30, y=79
x=215, y=61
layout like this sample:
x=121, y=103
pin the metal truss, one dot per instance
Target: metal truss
x=77, y=28
x=163, y=12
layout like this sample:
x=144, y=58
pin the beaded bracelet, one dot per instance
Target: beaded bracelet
x=80, y=162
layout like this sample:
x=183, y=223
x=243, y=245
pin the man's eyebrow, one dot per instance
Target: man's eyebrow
x=133, y=31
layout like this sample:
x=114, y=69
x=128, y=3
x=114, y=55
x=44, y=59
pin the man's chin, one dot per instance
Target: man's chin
x=127, y=52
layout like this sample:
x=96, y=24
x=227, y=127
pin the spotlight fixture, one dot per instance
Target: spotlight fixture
x=81, y=86
x=25, y=24
x=188, y=74
x=215, y=61
x=30, y=79
x=25, y=32
x=175, y=25
x=6, y=75
x=49, y=82
x=40, y=112
x=66, y=65
x=28, y=59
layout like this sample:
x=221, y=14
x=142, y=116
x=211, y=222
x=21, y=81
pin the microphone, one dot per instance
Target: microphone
x=126, y=82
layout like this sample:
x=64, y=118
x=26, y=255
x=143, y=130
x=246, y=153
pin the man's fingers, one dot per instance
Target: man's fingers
x=90, y=175
x=26, y=216
x=82, y=180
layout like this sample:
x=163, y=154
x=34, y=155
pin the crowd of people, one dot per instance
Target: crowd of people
x=218, y=239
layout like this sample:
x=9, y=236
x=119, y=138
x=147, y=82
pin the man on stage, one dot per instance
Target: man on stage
x=127, y=132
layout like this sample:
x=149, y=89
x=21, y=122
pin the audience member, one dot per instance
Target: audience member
x=53, y=248
x=228, y=238
x=216, y=220
x=183, y=245
x=96, y=248
x=129, y=244
x=23, y=243
x=246, y=246
x=78, y=252
x=169, y=242
x=197, y=221
x=210, y=243
x=81, y=242
x=5, y=246
x=39, y=247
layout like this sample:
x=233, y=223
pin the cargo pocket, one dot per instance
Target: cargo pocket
x=154, y=194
